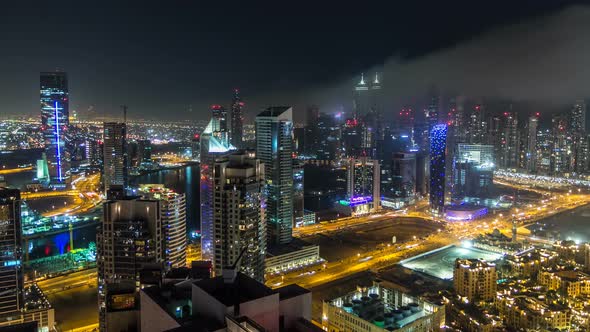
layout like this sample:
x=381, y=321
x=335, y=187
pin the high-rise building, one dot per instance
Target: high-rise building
x=298, y=193
x=11, y=269
x=475, y=279
x=561, y=147
x=219, y=114
x=361, y=98
x=531, y=152
x=475, y=129
x=363, y=181
x=196, y=147
x=510, y=141
x=479, y=154
x=398, y=180
x=54, y=125
x=438, y=146
x=173, y=218
x=115, y=163
x=239, y=223
x=580, y=157
x=129, y=253
x=352, y=138
x=214, y=143
x=144, y=151
x=274, y=143
x=328, y=137
x=237, y=120
x=312, y=135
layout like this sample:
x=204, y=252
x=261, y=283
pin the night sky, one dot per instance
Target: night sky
x=162, y=57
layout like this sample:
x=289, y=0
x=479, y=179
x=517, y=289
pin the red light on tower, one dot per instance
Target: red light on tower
x=197, y=136
x=215, y=107
x=477, y=107
x=537, y=114
x=241, y=103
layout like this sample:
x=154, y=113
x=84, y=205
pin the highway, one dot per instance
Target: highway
x=450, y=233
x=5, y=171
x=69, y=281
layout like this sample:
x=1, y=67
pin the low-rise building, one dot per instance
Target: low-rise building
x=292, y=256
x=380, y=309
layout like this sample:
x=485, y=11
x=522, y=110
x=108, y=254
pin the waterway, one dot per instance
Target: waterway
x=182, y=180
x=570, y=225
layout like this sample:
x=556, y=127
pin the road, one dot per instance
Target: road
x=83, y=193
x=451, y=232
x=5, y=171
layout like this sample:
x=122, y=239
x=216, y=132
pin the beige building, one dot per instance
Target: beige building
x=530, y=313
x=475, y=279
x=381, y=309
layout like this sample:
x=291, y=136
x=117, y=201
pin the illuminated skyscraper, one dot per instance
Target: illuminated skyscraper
x=239, y=215
x=298, y=193
x=129, y=247
x=438, y=146
x=219, y=114
x=579, y=139
x=115, y=162
x=361, y=98
x=475, y=279
x=214, y=143
x=237, y=120
x=274, y=143
x=531, y=153
x=364, y=180
x=54, y=125
x=11, y=273
x=173, y=218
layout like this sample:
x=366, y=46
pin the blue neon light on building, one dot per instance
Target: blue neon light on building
x=438, y=145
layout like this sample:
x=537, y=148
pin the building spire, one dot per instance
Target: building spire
x=362, y=82
x=376, y=78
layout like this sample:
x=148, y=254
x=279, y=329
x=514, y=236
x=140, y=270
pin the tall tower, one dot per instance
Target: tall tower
x=363, y=180
x=173, y=216
x=438, y=146
x=128, y=242
x=580, y=142
x=115, y=161
x=531, y=153
x=54, y=125
x=11, y=273
x=214, y=143
x=237, y=120
x=219, y=114
x=361, y=101
x=239, y=217
x=274, y=143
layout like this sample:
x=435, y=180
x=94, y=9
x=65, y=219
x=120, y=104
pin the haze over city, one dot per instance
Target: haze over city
x=251, y=167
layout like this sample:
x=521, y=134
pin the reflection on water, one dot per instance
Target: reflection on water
x=183, y=180
x=59, y=243
x=571, y=225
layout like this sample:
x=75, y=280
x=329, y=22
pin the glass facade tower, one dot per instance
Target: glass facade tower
x=54, y=125
x=438, y=146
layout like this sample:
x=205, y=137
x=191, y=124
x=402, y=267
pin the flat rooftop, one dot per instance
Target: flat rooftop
x=243, y=289
x=439, y=263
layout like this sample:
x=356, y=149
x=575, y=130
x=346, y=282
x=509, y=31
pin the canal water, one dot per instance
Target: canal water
x=570, y=225
x=182, y=180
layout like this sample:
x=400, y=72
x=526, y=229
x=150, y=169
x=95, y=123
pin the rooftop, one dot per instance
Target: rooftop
x=294, y=245
x=274, y=111
x=243, y=289
x=291, y=291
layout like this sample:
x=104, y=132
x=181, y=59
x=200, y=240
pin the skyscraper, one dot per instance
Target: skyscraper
x=438, y=146
x=364, y=180
x=11, y=273
x=531, y=153
x=475, y=279
x=361, y=98
x=129, y=244
x=239, y=218
x=510, y=140
x=54, y=125
x=298, y=193
x=580, y=143
x=237, y=120
x=172, y=209
x=115, y=163
x=219, y=113
x=274, y=142
x=214, y=143
x=560, y=139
